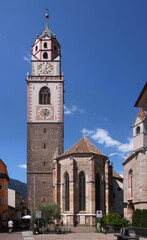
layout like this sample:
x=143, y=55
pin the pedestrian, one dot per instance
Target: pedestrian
x=61, y=222
x=10, y=226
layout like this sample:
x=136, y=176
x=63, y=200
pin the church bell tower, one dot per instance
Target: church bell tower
x=44, y=117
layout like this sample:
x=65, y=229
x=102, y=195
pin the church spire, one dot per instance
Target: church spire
x=47, y=30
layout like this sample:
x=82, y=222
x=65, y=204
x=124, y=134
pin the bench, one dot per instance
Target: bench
x=126, y=233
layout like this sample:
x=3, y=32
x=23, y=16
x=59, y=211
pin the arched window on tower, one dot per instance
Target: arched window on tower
x=138, y=130
x=82, y=205
x=97, y=192
x=66, y=180
x=44, y=95
x=130, y=184
x=45, y=45
x=45, y=55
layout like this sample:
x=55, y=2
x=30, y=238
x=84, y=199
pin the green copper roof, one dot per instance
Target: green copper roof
x=47, y=30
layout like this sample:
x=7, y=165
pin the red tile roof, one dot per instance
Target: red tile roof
x=83, y=146
x=116, y=175
x=142, y=114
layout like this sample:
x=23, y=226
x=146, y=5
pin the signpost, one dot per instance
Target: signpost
x=38, y=214
x=99, y=214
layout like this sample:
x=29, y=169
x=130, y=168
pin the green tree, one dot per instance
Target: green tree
x=49, y=213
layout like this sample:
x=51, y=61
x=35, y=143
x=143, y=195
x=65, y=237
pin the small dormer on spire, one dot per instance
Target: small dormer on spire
x=47, y=30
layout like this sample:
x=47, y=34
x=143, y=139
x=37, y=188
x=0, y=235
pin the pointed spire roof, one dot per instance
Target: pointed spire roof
x=142, y=114
x=83, y=146
x=47, y=30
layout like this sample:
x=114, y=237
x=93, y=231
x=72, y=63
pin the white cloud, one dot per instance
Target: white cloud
x=102, y=136
x=117, y=154
x=26, y=59
x=87, y=132
x=23, y=166
x=71, y=110
x=126, y=147
x=106, y=119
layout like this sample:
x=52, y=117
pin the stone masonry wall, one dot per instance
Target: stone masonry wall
x=42, y=142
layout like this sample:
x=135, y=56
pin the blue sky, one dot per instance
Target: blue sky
x=104, y=61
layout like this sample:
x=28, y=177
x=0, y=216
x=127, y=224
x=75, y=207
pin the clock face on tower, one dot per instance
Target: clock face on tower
x=45, y=67
x=45, y=113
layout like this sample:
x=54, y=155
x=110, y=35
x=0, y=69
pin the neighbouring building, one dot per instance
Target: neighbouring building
x=135, y=166
x=4, y=181
x=81, y=179
x=17, y=206
x=118, y=194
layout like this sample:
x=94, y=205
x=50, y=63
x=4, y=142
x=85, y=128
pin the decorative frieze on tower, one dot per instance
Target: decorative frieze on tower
x=44, y=117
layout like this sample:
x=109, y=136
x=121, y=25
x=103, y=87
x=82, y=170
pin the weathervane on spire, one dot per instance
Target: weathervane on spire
x=47, y=14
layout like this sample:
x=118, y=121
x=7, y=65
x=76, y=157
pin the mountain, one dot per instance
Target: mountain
x=19, y=187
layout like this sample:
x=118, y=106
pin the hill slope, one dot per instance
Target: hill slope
x=19, y=187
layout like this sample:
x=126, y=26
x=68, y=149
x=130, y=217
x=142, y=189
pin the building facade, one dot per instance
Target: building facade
x=83, y=183
x=17, y=206
x=79, y=180
x=135, y=166
x=4, y=181
x=44, y=117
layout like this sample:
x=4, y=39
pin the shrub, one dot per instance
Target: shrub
x=114, y=221
x=143, y=218
x=136, y=218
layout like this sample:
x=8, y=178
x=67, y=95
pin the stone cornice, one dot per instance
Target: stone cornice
x=38, y=78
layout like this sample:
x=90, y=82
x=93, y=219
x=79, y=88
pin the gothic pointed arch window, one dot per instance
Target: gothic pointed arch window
x=130, y=184
x=97, y=191
x=82, y=185
x=66, y=184
x=44, y=95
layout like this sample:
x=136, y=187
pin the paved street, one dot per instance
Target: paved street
x=13, y=236
x=77, y=234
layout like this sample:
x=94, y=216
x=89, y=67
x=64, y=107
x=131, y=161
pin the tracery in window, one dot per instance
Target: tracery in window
x=82, y=191
x=66, y=180
x=44, y=95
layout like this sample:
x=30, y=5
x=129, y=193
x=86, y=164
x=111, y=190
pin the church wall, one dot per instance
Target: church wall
x=82, y=163
x=145, y=133
x=40, y=153
x=39, y=189
x=139, y=166
x=56, y=100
